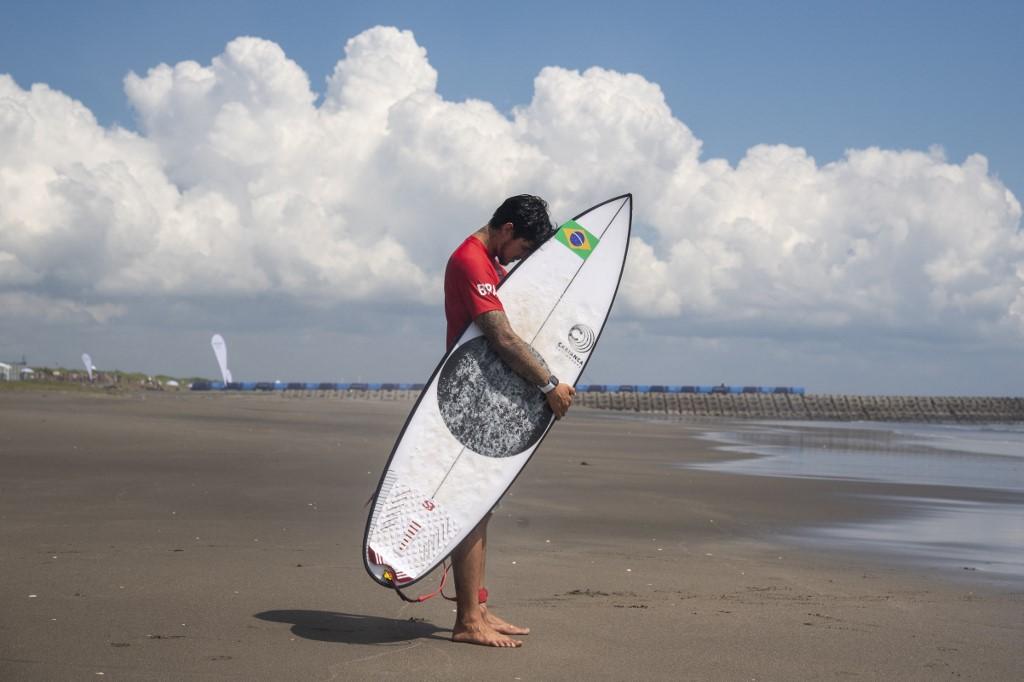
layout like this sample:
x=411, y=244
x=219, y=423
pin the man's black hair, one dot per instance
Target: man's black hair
x=528, y=215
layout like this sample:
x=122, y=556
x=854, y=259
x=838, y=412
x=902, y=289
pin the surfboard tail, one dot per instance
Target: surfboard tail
x=409, y=531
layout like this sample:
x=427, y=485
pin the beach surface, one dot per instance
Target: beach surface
x=155, y=536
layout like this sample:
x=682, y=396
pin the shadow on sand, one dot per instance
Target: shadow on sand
x=328, y=626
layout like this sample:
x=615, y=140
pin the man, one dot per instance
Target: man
x=470, y=295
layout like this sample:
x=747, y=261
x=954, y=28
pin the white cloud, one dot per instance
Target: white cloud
x=896, y=239
x=240, y=184
x=18, y=307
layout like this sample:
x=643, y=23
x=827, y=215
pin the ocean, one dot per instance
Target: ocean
x=970, y=517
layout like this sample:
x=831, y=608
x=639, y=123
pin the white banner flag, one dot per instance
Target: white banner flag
x=220, y=349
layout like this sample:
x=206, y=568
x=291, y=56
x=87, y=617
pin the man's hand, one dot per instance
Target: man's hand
x=560, y=398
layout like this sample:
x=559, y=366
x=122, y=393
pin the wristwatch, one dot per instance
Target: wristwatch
x=550, y=386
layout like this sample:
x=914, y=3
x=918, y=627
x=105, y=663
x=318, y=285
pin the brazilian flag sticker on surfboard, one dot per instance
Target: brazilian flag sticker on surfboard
x=576, y=237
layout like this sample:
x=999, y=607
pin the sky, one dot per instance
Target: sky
x=826, y=194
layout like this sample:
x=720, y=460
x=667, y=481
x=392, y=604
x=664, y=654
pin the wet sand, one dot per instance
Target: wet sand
x=183, y=536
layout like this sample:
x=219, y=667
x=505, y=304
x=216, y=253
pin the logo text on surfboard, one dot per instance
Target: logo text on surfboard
x=577, y=238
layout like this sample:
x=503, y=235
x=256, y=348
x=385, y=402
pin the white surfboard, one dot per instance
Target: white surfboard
x=477, y=423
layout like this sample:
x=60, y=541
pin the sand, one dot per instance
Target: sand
x=193, y=537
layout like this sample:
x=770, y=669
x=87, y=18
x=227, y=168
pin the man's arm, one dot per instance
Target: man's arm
x=510, y=348
x=517, y=355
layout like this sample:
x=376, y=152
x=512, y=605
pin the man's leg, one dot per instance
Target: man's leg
x=471, y=623
x=499, y=624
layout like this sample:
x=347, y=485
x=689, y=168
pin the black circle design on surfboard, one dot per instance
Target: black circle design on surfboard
x=489, y=408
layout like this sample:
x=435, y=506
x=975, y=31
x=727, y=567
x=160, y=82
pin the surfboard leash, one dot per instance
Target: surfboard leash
x=423, y=597
x=481, y=596
x=445, y=567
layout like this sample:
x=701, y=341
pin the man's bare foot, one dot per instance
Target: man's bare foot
x=501, y=625
x=483, y=634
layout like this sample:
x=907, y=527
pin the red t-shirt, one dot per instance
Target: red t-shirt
x=470, y=286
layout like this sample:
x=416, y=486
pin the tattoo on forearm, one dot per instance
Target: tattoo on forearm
x=510, y=347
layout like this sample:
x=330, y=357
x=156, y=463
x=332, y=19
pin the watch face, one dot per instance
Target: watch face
x=553, y=380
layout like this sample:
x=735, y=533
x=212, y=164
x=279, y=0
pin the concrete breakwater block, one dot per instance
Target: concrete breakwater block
x=752, y=405
x=824, y=407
